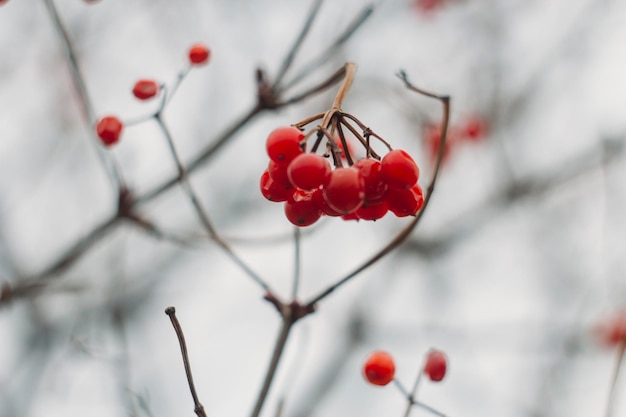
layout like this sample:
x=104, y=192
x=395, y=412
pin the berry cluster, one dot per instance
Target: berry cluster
x=109, y=128
x=310, y=188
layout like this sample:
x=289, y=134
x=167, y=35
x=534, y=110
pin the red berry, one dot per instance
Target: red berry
x=375, y=185
x=278, y=173
x=372, y=211
x=301, y=209
x=199, y=54
x=318, y=196
x=344, y=191
x=436, y=365
x=145, y=89
x=379, y=368
x=405, y=202
x=351, y=216
x=399, y=170
x=109, y=129
x=283, y=144
x=308, y=171
x=274, y=191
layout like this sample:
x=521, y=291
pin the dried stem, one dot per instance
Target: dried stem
x=315, y=63
x=198, y=408
x=348, y=76
x=317, y=4
x=404, y=233
x=297, y=264
x=413, y=394
x=202, y=215
x=79, y=83
x=616, y=372
x=279, y=347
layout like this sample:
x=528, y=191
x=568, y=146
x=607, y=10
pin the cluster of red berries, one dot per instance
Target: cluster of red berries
x=109, y=128
x=472, y=129
x=310, y=188
x=379, y=367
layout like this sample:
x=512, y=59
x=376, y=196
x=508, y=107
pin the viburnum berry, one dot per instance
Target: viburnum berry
x=399, y=170
x=199, y=54
x=375, y=185
x=436, y=365
x=318, y=196
x=278, y=173
x=145, y=89
x=344, y=190
x=301, y=209
x=109, y=129
x=308, y=171
x=405, y=202
x=372, y=211
x=273, y=190
x=351, y=216
x=283, y=144
x=379, y=368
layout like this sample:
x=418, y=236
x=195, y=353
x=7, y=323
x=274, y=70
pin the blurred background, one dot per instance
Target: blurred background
x=519, y=257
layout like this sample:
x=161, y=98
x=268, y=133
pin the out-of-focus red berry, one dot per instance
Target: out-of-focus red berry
x=379, y=368
x=109, y=129
x=199, y=54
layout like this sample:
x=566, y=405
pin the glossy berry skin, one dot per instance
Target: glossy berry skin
x=109, y=129
x=199, y=54
x=375, y=185
x=308, y=171
x=405, y=203
x=379, y=368
x=344, y=191
x=278, y=173
x=283, y=144
x=436, y=365
x=145, y=89
x=372, y=211
x=399, y=170
x=318, y=196
x=274, y=191
x=301, y=209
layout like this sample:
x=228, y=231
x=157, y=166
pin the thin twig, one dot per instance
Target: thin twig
x=279, y=347
x=330, y=51
x=198, y=408
x=202, y=214
x=404, y=233
x=202, y=157
x=317, y=4
x=616, y=372
x=413, y=394
x=297, y=263
x=79, y=83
